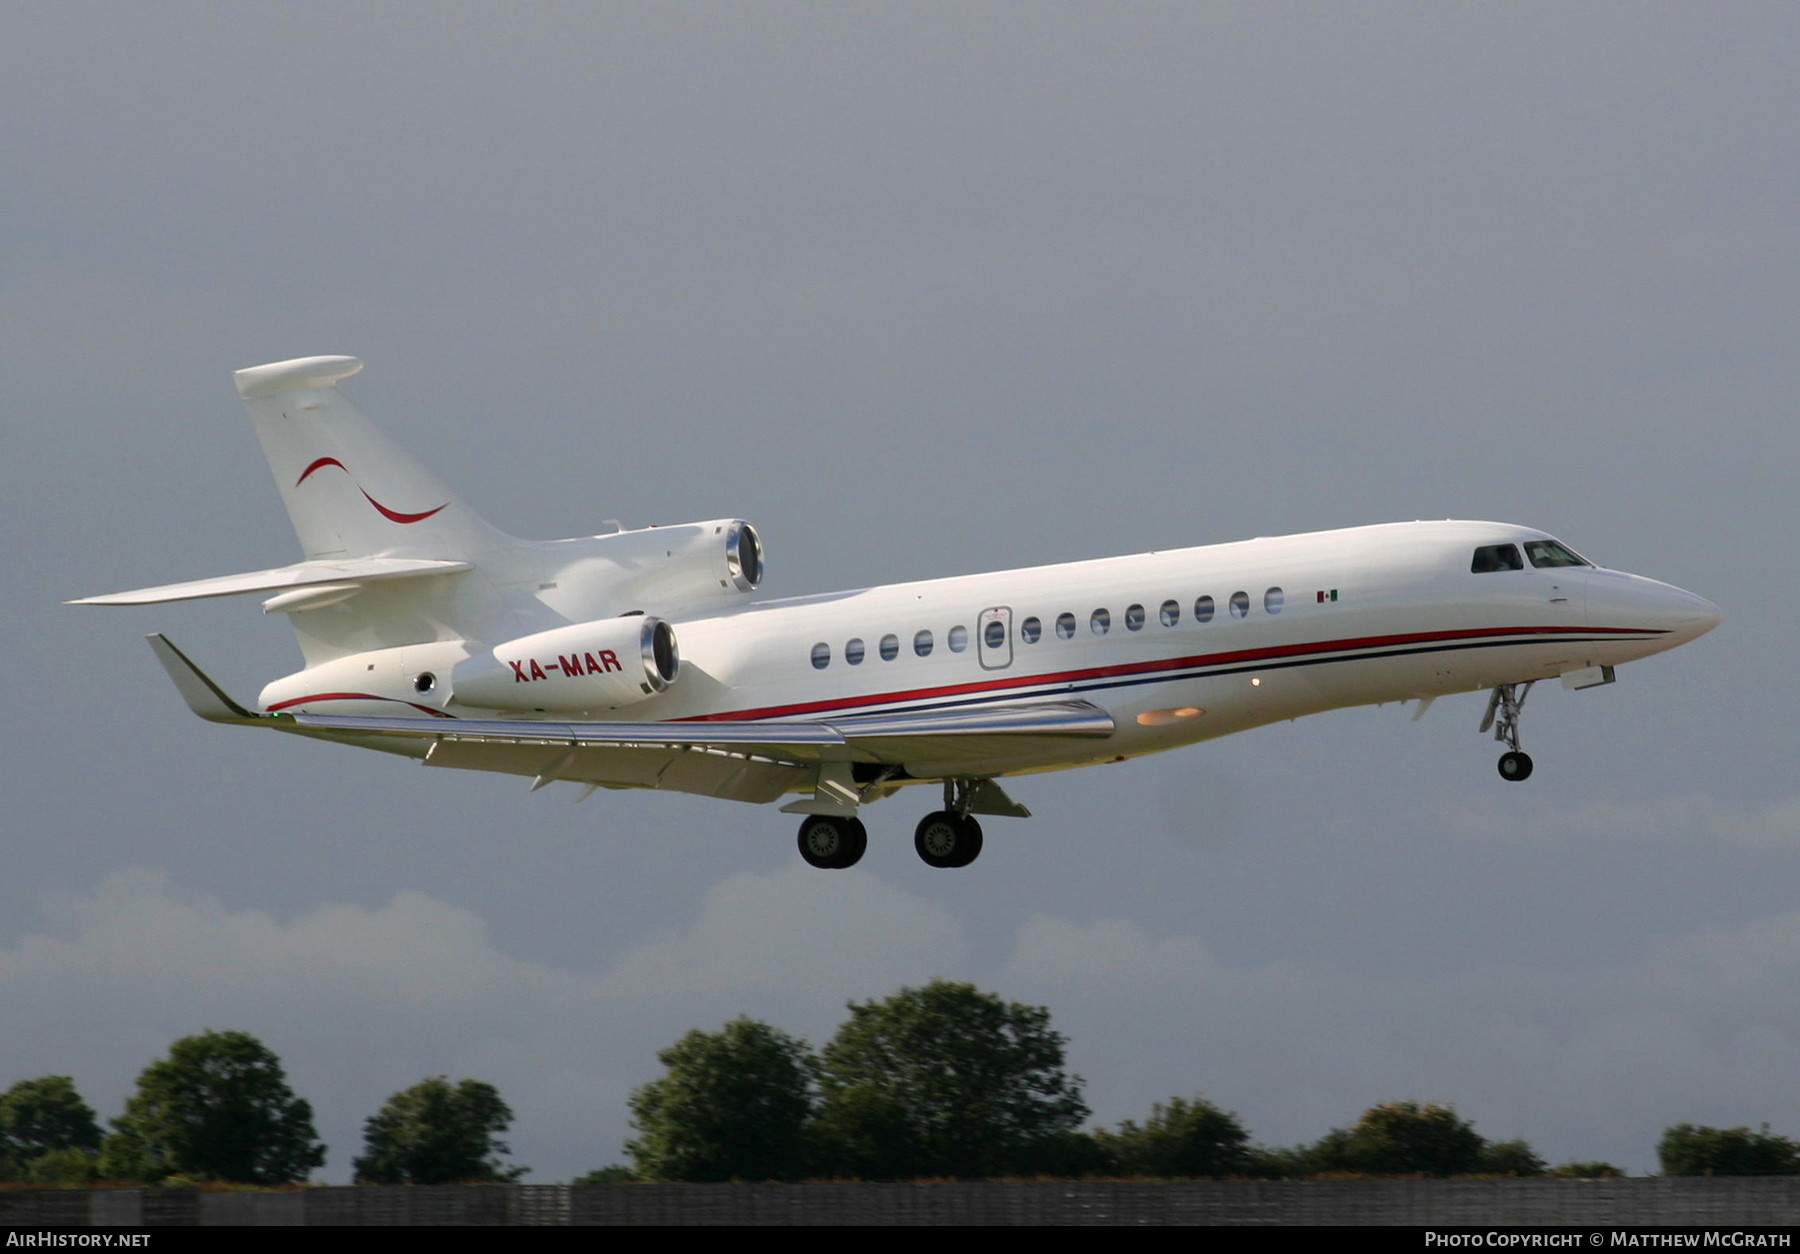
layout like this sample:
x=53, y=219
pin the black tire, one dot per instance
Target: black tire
x=1515, y=766
x=856, y=843
x=943, y=840
x=831, y=843
x=971, y=846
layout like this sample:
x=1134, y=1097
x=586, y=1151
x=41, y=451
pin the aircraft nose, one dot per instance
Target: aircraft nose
x=1675, y=610
x=1689, y=615
x=1616, y=599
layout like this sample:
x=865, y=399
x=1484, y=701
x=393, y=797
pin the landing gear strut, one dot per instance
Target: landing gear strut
x=950, y=837
x=831, y=843
x=1503, y=716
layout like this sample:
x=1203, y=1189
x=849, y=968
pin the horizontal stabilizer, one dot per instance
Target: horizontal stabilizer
x=202, y=695
x=299, y=575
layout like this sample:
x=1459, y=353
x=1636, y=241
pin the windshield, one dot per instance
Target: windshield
x=1545, y=553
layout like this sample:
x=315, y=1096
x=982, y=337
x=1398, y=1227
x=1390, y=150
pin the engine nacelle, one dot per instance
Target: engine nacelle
x=601, y=665
x=669, y=570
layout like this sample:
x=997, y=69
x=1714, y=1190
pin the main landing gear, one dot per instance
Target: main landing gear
x=832, y=843
x=944, y=838
x=947, y=839
x=951, y=837
x=1503, y=716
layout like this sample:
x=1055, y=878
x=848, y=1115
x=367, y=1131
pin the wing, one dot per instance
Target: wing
x=741, y=761
x=757, y=762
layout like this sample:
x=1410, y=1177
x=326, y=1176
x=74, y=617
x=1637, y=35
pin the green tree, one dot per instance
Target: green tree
x=1510, y=1158
x=613, y=1173
x=217, y=1108
x=733, y=1105
x=1181, y=1139
x=1402, y=1139
x=44, y=1116
x=945, y=1080
x=1686, y=1150
x=437, y=1133
x=1592, y=1169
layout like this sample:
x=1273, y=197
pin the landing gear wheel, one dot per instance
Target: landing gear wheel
x=942, y=839
x=831, y=843
x=1515, y=766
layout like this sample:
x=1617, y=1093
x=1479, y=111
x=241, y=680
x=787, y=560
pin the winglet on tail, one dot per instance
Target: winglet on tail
x=202, y=695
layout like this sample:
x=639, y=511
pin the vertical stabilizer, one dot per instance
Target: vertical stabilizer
x=350, y=491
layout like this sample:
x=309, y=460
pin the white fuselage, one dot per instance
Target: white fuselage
x=1177, y=646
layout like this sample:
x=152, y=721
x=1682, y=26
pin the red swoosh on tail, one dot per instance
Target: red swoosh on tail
x=391, y=515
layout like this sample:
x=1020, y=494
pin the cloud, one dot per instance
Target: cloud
x=1681, y=817
x=795, y=931
x=139, y=931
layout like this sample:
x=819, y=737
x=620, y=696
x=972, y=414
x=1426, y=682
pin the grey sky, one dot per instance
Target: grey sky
x=919, y=289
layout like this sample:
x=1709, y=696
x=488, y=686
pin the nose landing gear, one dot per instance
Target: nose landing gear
x=1503, y=716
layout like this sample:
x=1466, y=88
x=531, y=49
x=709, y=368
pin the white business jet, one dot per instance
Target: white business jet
x=637, y=659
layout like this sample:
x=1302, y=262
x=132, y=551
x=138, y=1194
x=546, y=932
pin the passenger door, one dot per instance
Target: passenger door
x=993, y=638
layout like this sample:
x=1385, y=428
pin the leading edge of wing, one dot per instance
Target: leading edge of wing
x=776, y=737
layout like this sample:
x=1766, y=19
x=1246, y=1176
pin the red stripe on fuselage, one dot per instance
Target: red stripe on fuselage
x=1141, y=668
x=354, y=696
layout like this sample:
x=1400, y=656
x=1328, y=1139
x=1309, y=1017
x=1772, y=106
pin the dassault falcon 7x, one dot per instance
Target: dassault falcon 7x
x=638, y=658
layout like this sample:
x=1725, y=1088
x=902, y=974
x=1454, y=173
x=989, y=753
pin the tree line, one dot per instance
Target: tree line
x=219, y=1108
x=943, y=1081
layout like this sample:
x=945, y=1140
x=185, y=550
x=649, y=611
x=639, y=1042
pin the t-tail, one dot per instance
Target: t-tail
x=396, y=565
x=379, y=531
x=350, y=490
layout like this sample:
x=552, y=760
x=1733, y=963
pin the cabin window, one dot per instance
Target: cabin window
x=958, y=639
x=922, y=643
x=1065, y=626
x=1099, y=622
x=1549, y=553
x=1031, y=630
x=1134, y=618
x=1240, y=604
x=1203, y=609
x=821, y=656
x=1273, y=600
x=1493, y=557
x=890, y=648
x=1170, y=614
x=853, y=652
x=994, y=634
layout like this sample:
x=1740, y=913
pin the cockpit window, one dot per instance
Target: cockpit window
x=1492, y=557
x=1551, y=553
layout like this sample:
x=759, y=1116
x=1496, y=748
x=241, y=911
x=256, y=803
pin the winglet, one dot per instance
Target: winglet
x=202, y=695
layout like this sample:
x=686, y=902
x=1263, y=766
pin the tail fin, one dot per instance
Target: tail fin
x=349, y=489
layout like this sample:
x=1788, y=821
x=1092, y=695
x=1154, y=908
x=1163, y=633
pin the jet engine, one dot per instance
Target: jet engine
x=601, y=665
x=671, y=570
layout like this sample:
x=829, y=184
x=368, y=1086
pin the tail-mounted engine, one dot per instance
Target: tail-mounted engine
x=601, y=665
x=671, y=570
